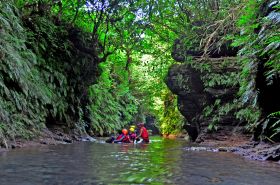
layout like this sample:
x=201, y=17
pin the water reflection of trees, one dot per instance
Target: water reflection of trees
x=151, y=163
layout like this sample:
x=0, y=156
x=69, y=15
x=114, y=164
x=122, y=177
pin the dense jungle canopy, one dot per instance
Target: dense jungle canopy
x=96, y=66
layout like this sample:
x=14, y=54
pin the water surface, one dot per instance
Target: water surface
x=161, y=162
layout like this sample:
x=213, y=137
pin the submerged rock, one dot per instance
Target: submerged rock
x=88, y=138
x=270, y=154
x=262, y=151
x=201, y=148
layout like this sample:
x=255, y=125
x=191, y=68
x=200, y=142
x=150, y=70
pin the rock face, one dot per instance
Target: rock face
x=179, y=53
x=185, y=81
x=195, y=96
x=151, y=126
x=206, y=81
x=207, y=87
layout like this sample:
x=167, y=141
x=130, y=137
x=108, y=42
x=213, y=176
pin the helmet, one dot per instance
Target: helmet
x=132, y=126
x=124, y=131
x=131, y=129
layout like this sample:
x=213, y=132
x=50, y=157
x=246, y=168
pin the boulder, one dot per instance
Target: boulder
x=195, y=94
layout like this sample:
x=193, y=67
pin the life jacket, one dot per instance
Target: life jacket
x=126, y=139
x=132, y=136
x=145, y=134
x=119, y=137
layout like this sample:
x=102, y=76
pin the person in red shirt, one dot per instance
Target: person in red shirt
x=122, y=138
x=113, y=138
x=143, y=133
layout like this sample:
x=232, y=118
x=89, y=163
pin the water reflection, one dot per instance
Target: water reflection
x=146, y=163
x=161, y=162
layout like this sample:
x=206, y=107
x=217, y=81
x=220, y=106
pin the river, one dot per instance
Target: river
x=161, y=162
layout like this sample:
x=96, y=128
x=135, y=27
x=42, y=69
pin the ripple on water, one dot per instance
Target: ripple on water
x=161, y=162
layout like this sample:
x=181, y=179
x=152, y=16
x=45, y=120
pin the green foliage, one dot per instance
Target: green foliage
x=22, y=93
x=202, y=27
x=220, y=72
x=44, y=39
x=247, y=23
x=227, y=79
x=217, y=28
x=52, y=51
x=257, y=48
x=270, y=127
x=109, y=111
x=147, y=84
x=275, y=127
x=112, y=105
x=171, y=120
x=42, y=73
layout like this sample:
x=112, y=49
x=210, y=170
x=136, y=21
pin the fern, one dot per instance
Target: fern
x=255, y=47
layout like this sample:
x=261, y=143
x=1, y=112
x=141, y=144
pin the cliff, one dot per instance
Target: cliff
x=223, y=91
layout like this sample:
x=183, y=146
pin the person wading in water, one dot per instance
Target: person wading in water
x=132, y=134
x=143, y=133
x=123, y=138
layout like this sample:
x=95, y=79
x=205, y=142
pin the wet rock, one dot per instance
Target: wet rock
x=88, y=138
x=271, y=154
x=67, y=140
x=150, y=124
x=60, y=134
x=44, y=142
x=223, y=149
x=201, y=148
x=76, y=138
x=262, y=151
x=15, y=145
x=187, y=138
x=61, y=142
x=246, y=147
x=232, y=149
x=195, y=148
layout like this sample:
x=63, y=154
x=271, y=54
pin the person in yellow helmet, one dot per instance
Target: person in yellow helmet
x=132, y=134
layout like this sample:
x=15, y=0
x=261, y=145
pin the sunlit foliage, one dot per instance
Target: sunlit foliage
x=101, y=64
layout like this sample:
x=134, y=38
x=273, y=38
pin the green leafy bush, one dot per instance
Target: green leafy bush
x=23, y=94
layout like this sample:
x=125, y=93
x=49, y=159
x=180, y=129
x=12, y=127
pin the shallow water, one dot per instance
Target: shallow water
x=161, y=162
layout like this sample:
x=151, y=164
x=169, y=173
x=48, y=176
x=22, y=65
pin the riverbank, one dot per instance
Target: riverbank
x=47, y=137
x=240, y=144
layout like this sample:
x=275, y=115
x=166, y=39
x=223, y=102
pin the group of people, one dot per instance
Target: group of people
x=140, y=135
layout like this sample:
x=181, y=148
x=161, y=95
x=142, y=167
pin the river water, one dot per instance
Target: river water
x=161, y=162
